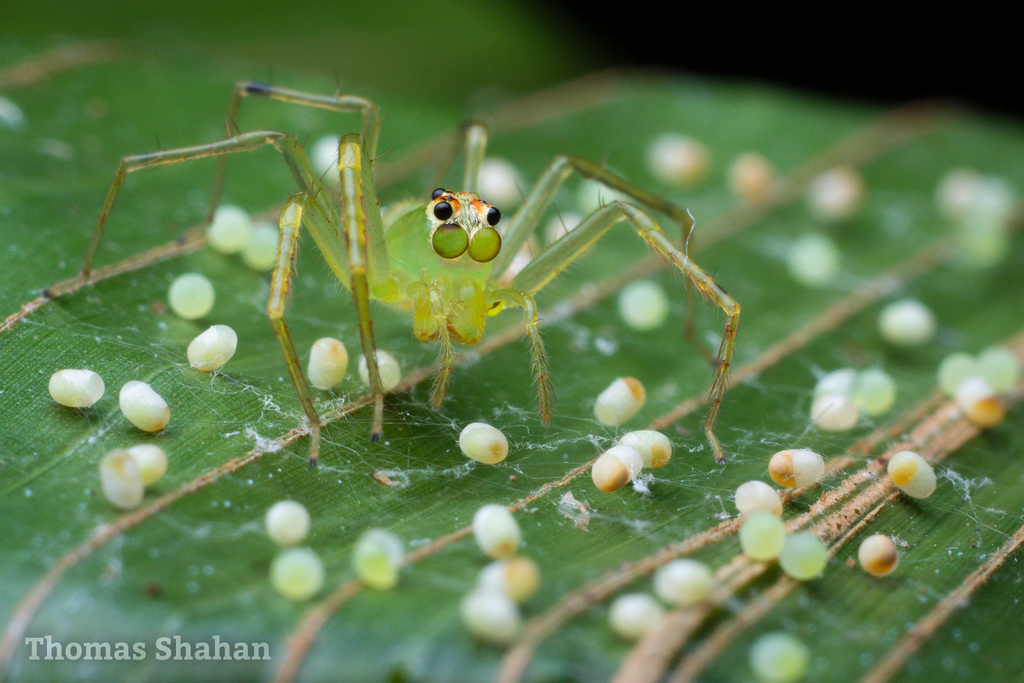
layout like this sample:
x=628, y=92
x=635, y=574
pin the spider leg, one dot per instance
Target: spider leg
x=280, y=288
x=542, y=379
x=245, y=142
x=571, y=246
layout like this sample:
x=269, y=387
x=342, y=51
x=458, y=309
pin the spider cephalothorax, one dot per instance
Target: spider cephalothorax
x=461, y=222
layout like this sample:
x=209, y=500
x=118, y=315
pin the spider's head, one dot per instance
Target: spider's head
x=461, y=222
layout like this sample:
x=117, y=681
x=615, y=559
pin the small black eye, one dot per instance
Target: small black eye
x=493, y=216
x=443, y=211
x=437, y=193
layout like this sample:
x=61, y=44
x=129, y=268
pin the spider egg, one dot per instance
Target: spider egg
x=643, y=305
x=618, y=403
x=906, y=323
x=230, y=229
x=325, y=159
x=677, y=160
x=912, y=474
x=328, y=361
x=979, y=403
x=813, y=260
x=143, y=407
x=684, y=583
x=796, y=467
x=633, y=615
x=654, y=447
x=517, y=577
x=779, y=658
x=213, y=348
x=956, y=192
x=496, y=531
x=11, y=114
x=483, y=443
x=616, y=467
x=874, y=391
x=762, y=535
x=953, y=370
x=752, y=178
x=835, y=195
x=151, y=461
x=999, y=368
x=387, y=366
x=260, y=252
x=76, y=388
x=287, y=522
x=837, y=382
x=834, y=412
x=377, y=559
x=757, y=496
x=803, y=556
x=120, y=479
x=877, y=555
x=490, y=616
x=297, y=573
x=191, y=296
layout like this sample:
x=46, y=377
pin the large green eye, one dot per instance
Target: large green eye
x=450, y=241
x=485, y=245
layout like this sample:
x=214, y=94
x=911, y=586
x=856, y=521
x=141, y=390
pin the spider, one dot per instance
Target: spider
x=443, y=260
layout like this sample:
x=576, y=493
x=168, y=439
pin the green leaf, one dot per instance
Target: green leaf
x=194, y=562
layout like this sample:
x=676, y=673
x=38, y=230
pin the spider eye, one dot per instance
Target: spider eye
x=493, y=216
x=443, y=211
x=437, y=193
x=485, y=245
x=450, y=240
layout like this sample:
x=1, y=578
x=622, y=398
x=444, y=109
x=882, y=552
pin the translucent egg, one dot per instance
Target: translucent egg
x=912, y=474
x=496, y=531
x=616, y=467
x=622, y=400
x=328, y=361
x=500, y=183
x=260, y=252
x=999, y=368
x=633, y=615
x=517, y=577
x=874, y=392
x=678, y=160
x=835, y=195
x=121, y=480
x=779, y=658
x=377, y=559
x=803, y=556
x=191, y=296
x=230, y=229
x=213, y=348
x=143, y=407
x=76, y=388
x=954, y=369
x=752, y=178
x=796, y=467
x=757, y=496
x=761, y=536
x=388, y=367
x=490, y=616
x=643, y=305
x=287, y=522
x=684, y=583
x=325, y=159
x=877, y=555
x=834, y=412
x=297, y=573
x=483, y=443
x=151, y=461
x=907, y=323
x=654, y=447
x=813, y=260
